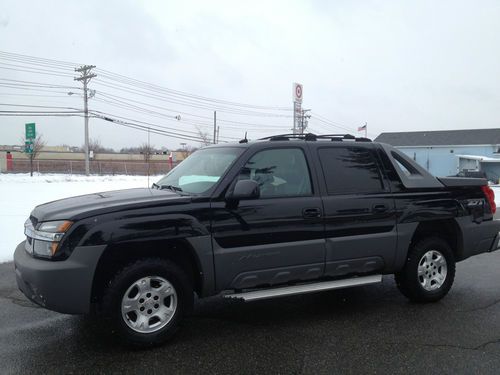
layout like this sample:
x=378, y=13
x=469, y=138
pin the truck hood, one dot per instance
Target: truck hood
x=83, y=206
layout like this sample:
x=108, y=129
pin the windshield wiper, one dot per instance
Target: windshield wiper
x=175, y=189
x=171, y=187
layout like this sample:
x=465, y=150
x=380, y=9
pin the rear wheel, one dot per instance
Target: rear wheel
x=146, y=300
x=429, y=271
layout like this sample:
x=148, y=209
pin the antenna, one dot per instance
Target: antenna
x=244, y=140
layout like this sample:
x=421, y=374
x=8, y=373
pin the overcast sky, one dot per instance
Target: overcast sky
x=397, y=65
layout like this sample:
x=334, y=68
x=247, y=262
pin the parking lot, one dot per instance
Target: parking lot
x=370, y=329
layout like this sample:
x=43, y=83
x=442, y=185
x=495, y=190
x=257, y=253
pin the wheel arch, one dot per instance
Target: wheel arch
x=116, y=256
x=447, y=229
x=410, y=233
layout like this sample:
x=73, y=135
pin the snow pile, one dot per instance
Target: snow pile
x=20, y=193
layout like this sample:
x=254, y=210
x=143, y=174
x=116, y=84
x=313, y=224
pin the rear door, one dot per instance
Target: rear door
x=359, y=211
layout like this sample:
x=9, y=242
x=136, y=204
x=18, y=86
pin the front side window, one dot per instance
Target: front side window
x=350, y=170
x=279, y=173
x=200, y=171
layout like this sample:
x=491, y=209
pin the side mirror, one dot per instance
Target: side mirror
x=245, y=189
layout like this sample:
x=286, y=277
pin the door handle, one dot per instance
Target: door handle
x=380, y=208
x=311, y=213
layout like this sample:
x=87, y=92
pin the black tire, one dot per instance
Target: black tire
x=111, y=305
x=408, y=280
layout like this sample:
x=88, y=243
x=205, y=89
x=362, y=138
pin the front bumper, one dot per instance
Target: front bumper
x=62, y=286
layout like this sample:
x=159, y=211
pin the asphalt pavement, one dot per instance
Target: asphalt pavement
x=370, y=329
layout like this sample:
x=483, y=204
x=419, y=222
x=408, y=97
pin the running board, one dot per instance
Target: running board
x=305, y=288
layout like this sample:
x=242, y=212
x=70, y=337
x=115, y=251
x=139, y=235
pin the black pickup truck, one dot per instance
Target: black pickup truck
x=284, y=215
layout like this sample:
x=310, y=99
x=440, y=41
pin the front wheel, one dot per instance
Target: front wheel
x=429, y=271
x=146, y=300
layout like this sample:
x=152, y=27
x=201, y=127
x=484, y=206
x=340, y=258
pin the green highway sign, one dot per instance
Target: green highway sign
x=30, y=131
x=28, y=147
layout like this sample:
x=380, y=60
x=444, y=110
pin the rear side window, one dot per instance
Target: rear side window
x=350, y=170
x=405, y=166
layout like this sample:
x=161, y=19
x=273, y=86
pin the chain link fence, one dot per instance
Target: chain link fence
x=96, y=167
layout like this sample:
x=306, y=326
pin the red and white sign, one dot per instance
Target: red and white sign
x=297, y=92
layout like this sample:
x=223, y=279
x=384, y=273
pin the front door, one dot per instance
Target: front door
x=276, y=238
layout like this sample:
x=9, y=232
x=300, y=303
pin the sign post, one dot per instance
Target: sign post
x=297, y=106
x=30, y=137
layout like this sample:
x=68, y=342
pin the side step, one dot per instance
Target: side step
x=305, y=288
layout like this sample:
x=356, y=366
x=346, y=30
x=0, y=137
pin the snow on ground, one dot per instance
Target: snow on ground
x=20, y=193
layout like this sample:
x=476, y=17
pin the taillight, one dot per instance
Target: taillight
x=490, y=197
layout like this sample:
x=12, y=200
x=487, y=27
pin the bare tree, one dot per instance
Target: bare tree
x=147, y=151
x=205, y=138
x=96, y=147
x=32, y=148
x=186, y=150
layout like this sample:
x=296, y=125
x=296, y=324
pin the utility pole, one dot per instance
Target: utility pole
x=217, y=138
x=215, y=127
x=85, y=76
x=304, y=120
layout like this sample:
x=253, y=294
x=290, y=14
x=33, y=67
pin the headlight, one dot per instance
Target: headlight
x=44, y=240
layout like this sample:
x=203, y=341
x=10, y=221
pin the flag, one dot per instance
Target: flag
x=361, y=128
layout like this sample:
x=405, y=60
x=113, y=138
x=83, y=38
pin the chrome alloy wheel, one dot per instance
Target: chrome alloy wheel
x=149, y=304
x=432, y=270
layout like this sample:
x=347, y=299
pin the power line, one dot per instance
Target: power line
x=152, y=129
x=125, y=103
x=38, y=59
x=319, y=118
x=148, y=124
x=36, y=84
x=35, y=69
x=179, y=97
x=34, y=63
x=63, y=65
x=32, y=89
x=38, y=106
x=142, y=122
x=38, y=95
x=137, y=83
x=334, y=123
x=115, y=81
x=40, y=114
x=166, y=98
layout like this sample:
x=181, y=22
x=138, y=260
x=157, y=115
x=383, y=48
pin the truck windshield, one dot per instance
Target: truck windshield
x=200, y=171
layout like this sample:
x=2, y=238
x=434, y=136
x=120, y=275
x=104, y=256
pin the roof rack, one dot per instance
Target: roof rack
x=314, y=137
